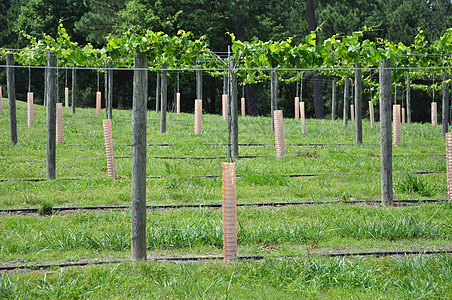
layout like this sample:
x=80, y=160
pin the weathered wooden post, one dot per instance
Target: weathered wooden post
x=274, y=96
x=164, y=105
x=51, y=115
x=446, y=108
x=346, y=96
x=333, y=101
x=229, y=212
x=74, y=87
x=11, y=86
x=138, y=214
x=385, y=133
x=358, y=104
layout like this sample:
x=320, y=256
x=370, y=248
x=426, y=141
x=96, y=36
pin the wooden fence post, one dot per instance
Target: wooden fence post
x=346, y=96
x=385, y=132
x=138, y=214
x=51, y=115
x=164, y=98
x=358, y=105
x=11, y=86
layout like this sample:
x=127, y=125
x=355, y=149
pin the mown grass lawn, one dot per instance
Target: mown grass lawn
x=341, y=171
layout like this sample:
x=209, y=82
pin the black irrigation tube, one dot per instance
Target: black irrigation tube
x=216, y=205
x=203, y=258
x=203, y=176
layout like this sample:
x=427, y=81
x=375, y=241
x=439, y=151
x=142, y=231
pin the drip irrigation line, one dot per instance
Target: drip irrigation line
x=216, y=205
x=204, y=258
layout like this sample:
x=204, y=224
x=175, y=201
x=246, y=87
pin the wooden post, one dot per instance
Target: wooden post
x=74, y=87
x=372, y=116
x=59, y=123
x=303, y=118
x=449, y=164
x=274, y=96
x=1, y=101
x=358, y=105
x=396, y=124
x=198, y=116
x=242, y=106
x=229, y=212
x=234, y=117
x=157, y=94
x=434, y=113
x=385, y=133
x=51, y=116
x=445, y=106
x=408, y=99
x=346, y=96
x=30, y=109
x=178, y=103
x=297, y=108
x=108, y=137
x=110, y=91
x=199, y=84
x=138, y=214
x=224, y=106
x=279, y=134
x=164, y=105
x=333, y=101
x=11, y=86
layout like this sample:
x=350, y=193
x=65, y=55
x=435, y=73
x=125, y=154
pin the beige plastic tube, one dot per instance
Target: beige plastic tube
x=279, y=133
x=434, y=113
x=30, y=109
x=242, y=106
x=108, y=136
x=396, y=136
x=178, y=103
x=229, y=212
x=198, y=116
x=1, y=101
x=352, y=112
x=59, y=123
x=66, y=97
x=224, y=105
x=403, y=115
x=372, y=116
x=303, y=118
x=297, y=108
x=98, y=103
x=449, y=164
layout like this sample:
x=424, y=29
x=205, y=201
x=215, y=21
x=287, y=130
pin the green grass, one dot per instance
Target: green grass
x=343, y=172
